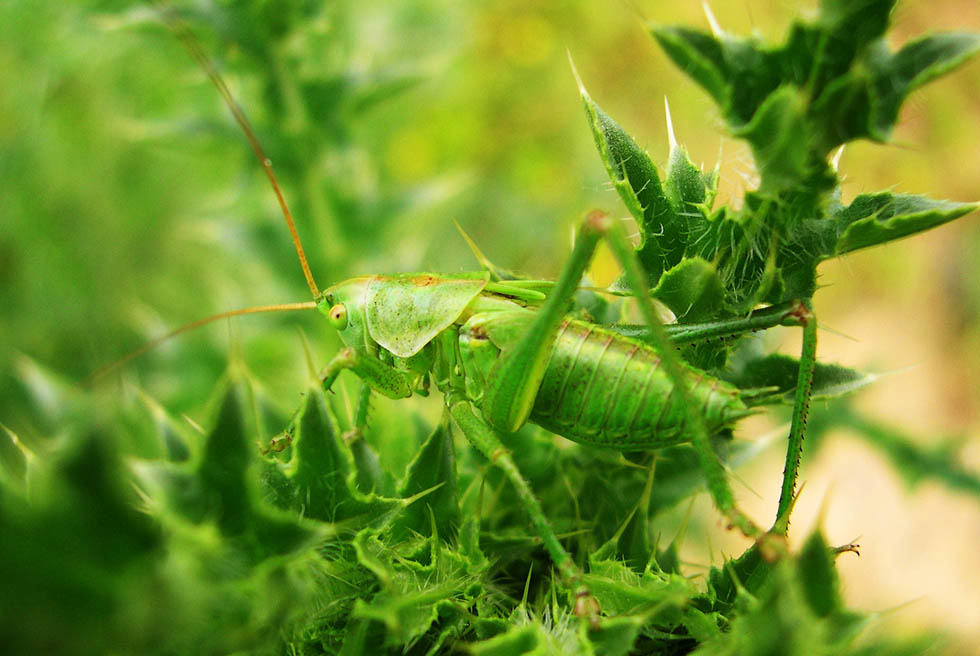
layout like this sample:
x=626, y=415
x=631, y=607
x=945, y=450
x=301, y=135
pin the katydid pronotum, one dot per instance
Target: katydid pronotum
x=505, y=352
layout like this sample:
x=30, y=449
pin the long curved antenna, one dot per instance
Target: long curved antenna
x=183, y=32
x=280, y=307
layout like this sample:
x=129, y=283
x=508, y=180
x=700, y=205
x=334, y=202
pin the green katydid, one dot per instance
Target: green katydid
x=504, y=353
x=502, y=357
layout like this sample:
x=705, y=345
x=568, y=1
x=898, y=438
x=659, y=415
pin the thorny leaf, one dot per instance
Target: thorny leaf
x=320, y=477
x=434, y=468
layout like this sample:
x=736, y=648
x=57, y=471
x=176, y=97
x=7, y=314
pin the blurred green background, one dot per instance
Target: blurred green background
x=131, y=204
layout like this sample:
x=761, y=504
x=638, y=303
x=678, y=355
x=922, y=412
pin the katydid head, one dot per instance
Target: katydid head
x=344, y=306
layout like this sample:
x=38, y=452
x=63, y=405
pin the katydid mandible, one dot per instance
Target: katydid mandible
x=503, y=353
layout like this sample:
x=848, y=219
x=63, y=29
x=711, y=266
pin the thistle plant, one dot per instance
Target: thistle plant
x=134, y=531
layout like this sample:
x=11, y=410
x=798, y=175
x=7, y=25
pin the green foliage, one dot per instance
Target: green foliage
x=127, y=529
x=833, y=81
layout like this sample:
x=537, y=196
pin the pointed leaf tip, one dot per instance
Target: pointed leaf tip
x=578, y=78
x=671, y=136
x=873, y=219
x=700, y=55
x=917, y=63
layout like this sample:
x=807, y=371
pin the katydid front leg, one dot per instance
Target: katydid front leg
x=377, y=375
x=381, y=377
x=370, y=476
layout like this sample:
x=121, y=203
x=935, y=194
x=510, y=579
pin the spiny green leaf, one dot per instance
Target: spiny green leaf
x=747, y=572
x=434, y=468
x=919, y=62
x=320, y=472
x=635, y=178
x=370, y=476
x=878, y=218
x=793, y=607
x=832, y=81
x=852, y=24
x=775, y=621
x=778, y=134
x=818, y=576
x=616, y=636
x=631, y=542
x=702, y=626
x=668, y=560
x=629, y=167
x=74, y=554
x=414, y=595
x=740, y=247
x=96, y=502
x=843, y=111
x=670, y=217
x=686, y=186
x=224, y=492
x=620, y=590
x=779, y=372
x=739, y=73
x=633, y=545
x=517, y=641
x=168, y=431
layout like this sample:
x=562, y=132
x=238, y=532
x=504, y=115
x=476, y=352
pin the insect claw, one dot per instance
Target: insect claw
x=850, y=547
x=772, y=546
x=587, y=607
x=352, y=436
x=277, y=444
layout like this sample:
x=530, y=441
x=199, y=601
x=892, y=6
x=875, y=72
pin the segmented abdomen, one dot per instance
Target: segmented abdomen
x=604, y=389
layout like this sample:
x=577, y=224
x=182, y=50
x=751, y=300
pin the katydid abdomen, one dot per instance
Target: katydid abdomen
x=604, y=389
x=599, y=387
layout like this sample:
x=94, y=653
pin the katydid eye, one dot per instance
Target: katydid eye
x=338, y=316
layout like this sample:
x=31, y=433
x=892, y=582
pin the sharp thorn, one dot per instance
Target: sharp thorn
x=578, y=80
x=835, y=158
x=712, y=21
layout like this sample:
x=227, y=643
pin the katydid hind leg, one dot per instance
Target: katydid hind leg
x=479, y=433
x=514, y=385
x=511, y=395
x=714, y=472
x=801, y=407
x=783, y=314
